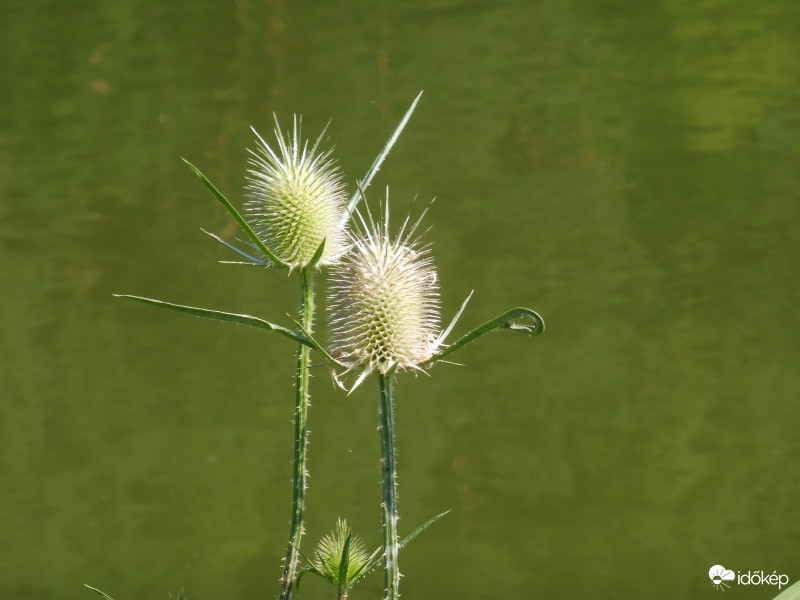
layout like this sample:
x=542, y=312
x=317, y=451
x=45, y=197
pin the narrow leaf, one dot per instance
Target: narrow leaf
x=222, y=316
x=237, y=217
x=421, y=528
x=377, y=557
x=98, y=592
x=317, y=255
x=790, y=593
x=306, y=569
x=208, y=313
x=344, y=563
x=303, y=555
x=376, y=165
x=373, y=561
x=246, y=263
x=253, y=260
x=505, y=321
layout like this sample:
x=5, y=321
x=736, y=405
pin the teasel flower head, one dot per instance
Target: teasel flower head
x=384, y=299
x=297, y=199
x=338, y=546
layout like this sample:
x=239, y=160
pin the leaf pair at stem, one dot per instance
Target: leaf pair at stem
x=341, y=557
x=513, y=319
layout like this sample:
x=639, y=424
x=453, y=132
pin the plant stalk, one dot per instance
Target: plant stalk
x=300, y=474
x=390, y=541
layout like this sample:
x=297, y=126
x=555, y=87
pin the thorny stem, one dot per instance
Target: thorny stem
x=390, y=541
x=300, y=438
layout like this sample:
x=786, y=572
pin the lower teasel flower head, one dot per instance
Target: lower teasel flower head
x=297, y=199
x=384, y=300
x=330, y=554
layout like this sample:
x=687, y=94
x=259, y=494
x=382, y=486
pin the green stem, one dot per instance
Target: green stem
x=300, y=439
x=390, y=542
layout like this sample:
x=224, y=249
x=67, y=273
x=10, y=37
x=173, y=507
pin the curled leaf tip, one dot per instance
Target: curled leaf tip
x=536, y=328
x=508, y=320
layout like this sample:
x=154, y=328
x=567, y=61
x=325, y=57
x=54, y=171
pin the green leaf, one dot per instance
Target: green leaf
x=374, y=560
x=376, y=165
x=376, y=557
x=98, y=592
x=508, y=320
x=421, y=528
x=303, y=555
x=790, y=593
x=317, y=255
x=344, y=564
x=306, y=569
x=252, y=259
x=237, y=217
x=236, y=318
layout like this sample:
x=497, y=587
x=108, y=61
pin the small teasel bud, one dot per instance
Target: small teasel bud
x=334, y=548
x=384, y=300
x=297, y=199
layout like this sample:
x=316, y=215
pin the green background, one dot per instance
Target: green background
x=629, y=169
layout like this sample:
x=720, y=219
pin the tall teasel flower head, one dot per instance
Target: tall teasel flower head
x=297, y=199
x=384, y=299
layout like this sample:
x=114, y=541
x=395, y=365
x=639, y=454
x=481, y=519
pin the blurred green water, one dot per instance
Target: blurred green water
x=629, y=170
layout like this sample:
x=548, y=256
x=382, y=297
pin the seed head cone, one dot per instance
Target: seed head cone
x=384, y=302
x=296, y=199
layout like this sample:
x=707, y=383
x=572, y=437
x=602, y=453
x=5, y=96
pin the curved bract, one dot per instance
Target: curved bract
x=237, y=217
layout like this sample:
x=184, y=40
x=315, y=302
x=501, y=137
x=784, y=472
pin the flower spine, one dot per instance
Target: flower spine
x=384, y=300
x=296, y=199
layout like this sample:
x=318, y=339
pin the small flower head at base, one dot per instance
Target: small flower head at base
x=384, y=300
x=297, y=199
